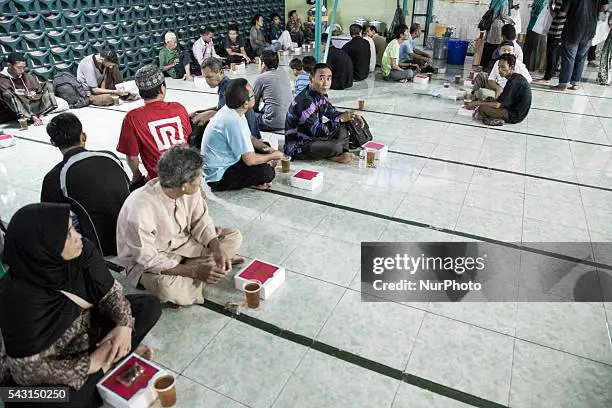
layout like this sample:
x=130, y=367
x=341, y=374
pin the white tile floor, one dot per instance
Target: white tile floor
x=547, y=179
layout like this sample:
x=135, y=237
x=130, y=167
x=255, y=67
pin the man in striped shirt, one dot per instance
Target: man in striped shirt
x=307, y=135
x=553, y=40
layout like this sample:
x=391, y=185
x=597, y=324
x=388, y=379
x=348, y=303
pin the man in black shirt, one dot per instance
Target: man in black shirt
x=513, y=104
x=579, y=30
x=341, y=65
x=358, y=50
x=92, y=182
x=234, y=45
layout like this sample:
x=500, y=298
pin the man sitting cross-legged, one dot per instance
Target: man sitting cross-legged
x=513, y=104
x=230, y=158
x=390, y=66
x=306, y=135
x=215, y=77
x=273, y=88
x=166, y=238
x=101, y=73
x=150, y=130
x=92, y=182
x=22, y=94
x=492, y=85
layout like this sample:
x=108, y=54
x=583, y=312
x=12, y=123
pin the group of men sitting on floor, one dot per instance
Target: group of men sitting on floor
x=162, y=231
x=504, y=94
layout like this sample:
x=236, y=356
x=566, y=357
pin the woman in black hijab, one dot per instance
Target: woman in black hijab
x=64, y=319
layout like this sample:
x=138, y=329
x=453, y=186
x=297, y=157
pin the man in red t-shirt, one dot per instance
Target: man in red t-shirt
x=154, y=128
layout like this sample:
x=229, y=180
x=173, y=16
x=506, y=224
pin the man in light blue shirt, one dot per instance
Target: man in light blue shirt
x=409, y=51
x=232, y=158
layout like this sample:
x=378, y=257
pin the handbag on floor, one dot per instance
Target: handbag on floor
x=358, y=136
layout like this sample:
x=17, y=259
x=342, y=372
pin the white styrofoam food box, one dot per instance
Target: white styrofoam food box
x=380, y=149
x=307, y=179
x=142, y=396
x=421, y=79
x=271, y=277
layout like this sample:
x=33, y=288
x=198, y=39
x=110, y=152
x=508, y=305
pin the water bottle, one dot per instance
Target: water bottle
x=362, y=159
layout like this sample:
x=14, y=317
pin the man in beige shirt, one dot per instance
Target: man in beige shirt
x=166, y=238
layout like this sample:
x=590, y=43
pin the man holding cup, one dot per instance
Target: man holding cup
x=173, y=62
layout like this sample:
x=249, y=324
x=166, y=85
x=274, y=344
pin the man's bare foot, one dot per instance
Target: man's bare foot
x=265, y=186
x=344, y=158
x=562, y=88
x=145, y=352
x=576, y=88
x=543, y=81
x=237, y=260
x=37, y=120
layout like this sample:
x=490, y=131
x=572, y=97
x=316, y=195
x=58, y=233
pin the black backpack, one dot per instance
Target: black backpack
x=486, y=21
x=72, y=91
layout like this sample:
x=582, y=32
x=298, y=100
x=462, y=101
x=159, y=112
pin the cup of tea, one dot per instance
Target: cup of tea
x=115, y=99
x=447, y=85
x=252, y=290
x=457, y=79
x=370, y=157
x=361, y=103
x=233, y=67
x=286, y=164
x=23, y=124
x=166, y=389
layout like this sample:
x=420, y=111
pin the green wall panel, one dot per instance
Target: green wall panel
x=57, y=34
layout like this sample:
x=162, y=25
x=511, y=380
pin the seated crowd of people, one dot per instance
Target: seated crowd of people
x=157, y=223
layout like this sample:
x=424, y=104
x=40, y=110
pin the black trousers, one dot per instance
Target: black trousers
x=146, y=310
x=325, y=148
x=487, y=55
x=235, y=59
x=552, y=56
x=239, y=175
x=592, y=56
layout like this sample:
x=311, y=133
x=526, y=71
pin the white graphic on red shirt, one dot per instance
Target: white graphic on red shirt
x=167, y=132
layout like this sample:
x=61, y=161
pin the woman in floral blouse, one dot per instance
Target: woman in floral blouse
x=64, y=319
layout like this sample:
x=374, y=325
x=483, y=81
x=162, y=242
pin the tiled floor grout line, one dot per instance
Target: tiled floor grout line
x=518, y=173
x=363, y=362
x=540, y=89
x=314, y=339
x=441, y=160
x=205, y=346
x=446, y=230
x=216, y=392
x=432, y=120
x=511, y=370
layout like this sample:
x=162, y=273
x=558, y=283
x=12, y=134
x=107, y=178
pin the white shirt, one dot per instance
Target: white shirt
x=518, y=51
x=372, y=52
x=520, y=68
x=202, y=50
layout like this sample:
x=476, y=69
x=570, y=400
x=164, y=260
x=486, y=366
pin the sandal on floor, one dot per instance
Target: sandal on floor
x=493, y=122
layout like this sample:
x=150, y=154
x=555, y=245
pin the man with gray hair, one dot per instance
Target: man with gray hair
x=174, y=62
x=167, y=240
